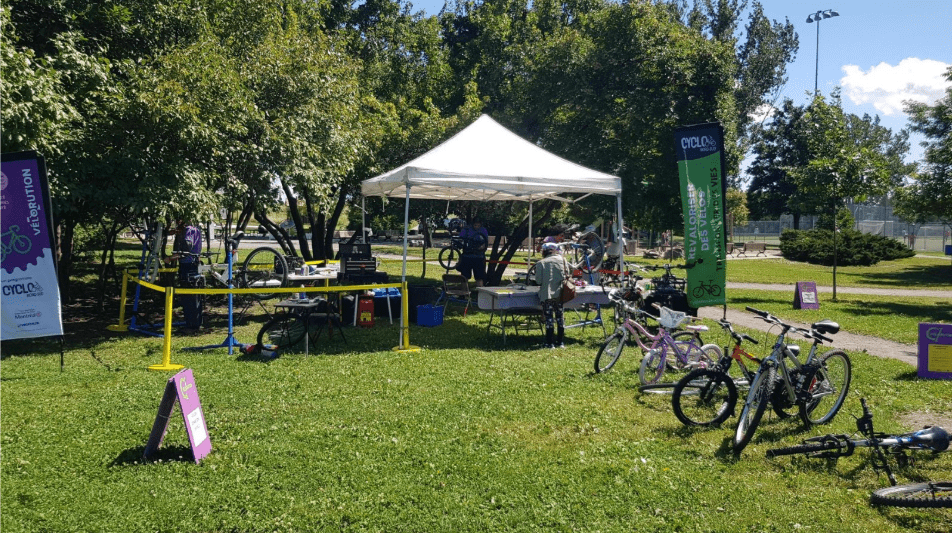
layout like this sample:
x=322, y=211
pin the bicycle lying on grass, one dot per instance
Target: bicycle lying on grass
x=816, y=387
x=934, y=439
x=707, y=396
x=681, y=349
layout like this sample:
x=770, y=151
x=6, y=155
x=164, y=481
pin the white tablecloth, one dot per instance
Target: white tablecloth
x=523, y=297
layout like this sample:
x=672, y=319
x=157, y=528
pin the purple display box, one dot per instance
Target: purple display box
x=181, y=388
x=935, y=351
x=805, y=296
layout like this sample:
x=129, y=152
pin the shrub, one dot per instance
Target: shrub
x=853, y=247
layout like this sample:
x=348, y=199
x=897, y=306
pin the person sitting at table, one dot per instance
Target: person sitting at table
x=472, y=262
x=549, y=273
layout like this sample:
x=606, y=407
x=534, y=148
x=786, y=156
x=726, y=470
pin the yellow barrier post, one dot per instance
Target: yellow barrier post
x=167, y=344
x=405, y=345
x=121, y=326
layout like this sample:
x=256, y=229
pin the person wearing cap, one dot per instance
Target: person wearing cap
x=549, y=274
x=472, y=263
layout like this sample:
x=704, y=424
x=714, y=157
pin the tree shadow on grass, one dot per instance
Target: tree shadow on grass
x=856, y=305
x=133, y=456
x=912, y=277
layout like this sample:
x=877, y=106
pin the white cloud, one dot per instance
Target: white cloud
x=762, y=113
x=886, y=86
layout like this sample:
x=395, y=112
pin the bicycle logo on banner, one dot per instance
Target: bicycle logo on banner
x=11, y=241
x=709, y=288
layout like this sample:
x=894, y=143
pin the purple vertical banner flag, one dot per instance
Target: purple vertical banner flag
x=30, y=304
x=181, y=388
x=935, y=351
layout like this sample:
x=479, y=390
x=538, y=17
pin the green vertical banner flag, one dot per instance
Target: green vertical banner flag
x=700, y=151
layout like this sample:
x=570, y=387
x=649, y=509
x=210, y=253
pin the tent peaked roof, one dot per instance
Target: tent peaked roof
x=486, y=161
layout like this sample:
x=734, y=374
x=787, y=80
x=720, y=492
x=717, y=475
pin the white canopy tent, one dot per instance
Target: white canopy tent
x=486, y=161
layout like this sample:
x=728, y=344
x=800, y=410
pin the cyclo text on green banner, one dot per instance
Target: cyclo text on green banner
x=700, y=168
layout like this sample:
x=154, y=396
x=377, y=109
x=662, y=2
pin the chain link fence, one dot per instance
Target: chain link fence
x=876, y=219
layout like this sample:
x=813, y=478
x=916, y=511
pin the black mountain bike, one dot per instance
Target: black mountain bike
x=450, y=254
x=933, y=438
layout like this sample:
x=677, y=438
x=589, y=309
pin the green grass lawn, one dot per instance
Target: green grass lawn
x=465, y=435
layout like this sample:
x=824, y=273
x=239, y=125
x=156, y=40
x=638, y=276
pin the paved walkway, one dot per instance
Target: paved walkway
x=844, y=340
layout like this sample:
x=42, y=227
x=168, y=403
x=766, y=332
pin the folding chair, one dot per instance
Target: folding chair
x=455, y=289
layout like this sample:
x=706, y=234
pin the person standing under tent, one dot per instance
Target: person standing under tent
x=472, y=263
x=549, y=274
x=188, y=240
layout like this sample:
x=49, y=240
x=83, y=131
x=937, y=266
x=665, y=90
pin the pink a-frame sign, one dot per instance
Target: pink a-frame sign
x=181, y=388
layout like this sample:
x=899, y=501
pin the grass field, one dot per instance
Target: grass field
x=465, y=435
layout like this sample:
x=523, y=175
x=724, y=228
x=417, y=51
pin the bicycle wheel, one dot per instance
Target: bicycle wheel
x=652, y=366
x=827, y=386
x=610, y=351
x=449, y=257
x=704, y=398
x=264, y=268
x=930, y=495
x=282, y=331
x=531, y=275
x=754, y=408
x=596, y=249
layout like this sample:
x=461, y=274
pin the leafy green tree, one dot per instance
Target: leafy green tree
x=929, y=196
x=790, y=141
x=735, y=205
x=762, y=51
x=838, y=166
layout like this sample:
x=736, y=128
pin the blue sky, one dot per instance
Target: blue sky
x=880, y=53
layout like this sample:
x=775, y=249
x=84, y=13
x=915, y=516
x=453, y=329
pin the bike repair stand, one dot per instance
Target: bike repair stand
x=230, y=342
x=150, y=248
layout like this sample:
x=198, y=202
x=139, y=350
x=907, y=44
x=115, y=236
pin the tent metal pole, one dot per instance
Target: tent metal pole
x=620, y=237
x=406, y=229
x=529, y=253
x=404, y=320
x=363, y=221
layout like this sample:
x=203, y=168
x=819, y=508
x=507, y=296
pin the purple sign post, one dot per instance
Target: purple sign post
x=181, y=387
x=935, y=351
x=30, y=290
x=805, y=297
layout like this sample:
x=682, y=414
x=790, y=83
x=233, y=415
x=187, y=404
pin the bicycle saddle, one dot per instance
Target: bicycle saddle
x=233, y=240
x=826, y=326
x=934, y=438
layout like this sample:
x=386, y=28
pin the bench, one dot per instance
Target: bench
x=758, y=247
x=389, y=234
x=341, y=235
x=730, y=248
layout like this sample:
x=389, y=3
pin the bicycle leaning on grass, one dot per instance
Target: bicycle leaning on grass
x=932, y=438
x=816, y=387
x=708, y=396
x=681, y=349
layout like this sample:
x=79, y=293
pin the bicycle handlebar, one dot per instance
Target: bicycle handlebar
x=739, y=337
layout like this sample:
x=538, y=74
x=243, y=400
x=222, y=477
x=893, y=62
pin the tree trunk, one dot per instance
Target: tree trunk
x=67, y=229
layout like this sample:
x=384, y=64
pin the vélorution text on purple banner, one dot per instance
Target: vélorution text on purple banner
x=30, y=293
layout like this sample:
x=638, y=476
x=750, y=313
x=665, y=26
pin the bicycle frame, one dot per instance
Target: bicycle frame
x=781, y=353
x=660, y=340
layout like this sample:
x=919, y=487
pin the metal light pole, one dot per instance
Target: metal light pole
x=815, y=17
